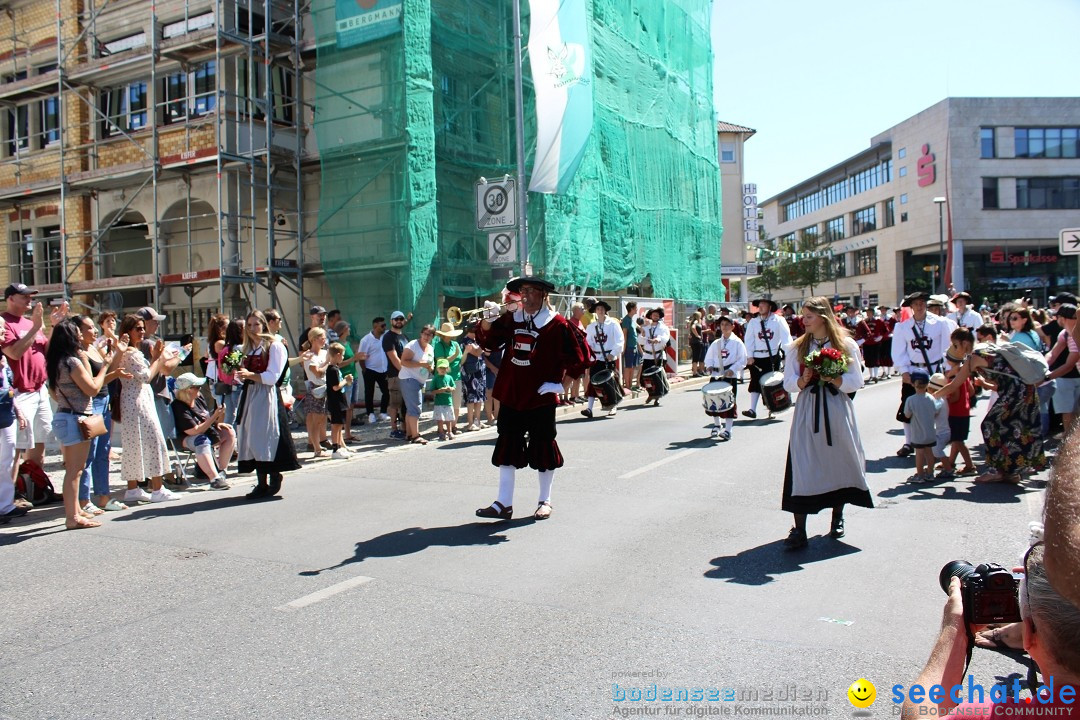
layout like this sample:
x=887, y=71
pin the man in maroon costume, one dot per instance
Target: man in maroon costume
x=539, y=346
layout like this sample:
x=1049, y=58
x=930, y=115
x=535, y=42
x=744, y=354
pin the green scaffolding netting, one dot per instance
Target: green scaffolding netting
x=411, y=113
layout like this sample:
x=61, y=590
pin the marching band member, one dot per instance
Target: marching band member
x=859, y=329
x=725, y=360
x=937, y=305
x=918, y=342
x=876, y=348
x=766, y=336
x=654, y=340
x=540, y=347
x=964, y=316
x=605, y=339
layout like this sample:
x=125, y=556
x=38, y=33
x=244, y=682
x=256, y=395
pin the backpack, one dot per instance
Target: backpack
x=33, y=484
x=1029, y=365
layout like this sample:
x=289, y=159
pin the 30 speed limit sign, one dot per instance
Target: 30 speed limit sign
x=496, y=204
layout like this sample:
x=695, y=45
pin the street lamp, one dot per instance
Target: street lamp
x=940, y=202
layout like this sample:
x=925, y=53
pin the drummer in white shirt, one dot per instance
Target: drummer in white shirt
x=964, y=316
x=653, y=339
x=725, y=360
x=605, y=338
x=766, y=336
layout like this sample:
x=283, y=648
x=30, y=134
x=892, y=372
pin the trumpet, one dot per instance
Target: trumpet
x=455, y=315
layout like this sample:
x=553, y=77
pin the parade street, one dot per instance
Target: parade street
x=370, y=590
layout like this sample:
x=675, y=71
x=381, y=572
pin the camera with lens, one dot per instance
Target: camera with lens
x=990, y=592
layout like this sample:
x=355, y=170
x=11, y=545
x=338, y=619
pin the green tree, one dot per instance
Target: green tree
x=772, y=270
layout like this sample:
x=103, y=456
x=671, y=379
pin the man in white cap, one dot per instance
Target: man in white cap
x=938, y=305
x=201, y=431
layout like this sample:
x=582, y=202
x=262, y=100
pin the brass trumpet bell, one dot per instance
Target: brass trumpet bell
x=455, y=315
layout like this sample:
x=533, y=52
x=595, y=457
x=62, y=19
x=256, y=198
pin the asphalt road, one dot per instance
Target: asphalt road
x=371, y=591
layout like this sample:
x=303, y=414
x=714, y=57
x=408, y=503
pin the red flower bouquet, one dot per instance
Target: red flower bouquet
x=828, y=363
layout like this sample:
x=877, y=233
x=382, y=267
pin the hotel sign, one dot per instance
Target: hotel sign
x=749, y=214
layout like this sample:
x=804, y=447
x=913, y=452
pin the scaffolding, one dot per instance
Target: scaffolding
x=141, y=98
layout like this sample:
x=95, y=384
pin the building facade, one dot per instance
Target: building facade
x=731, y=139
x=969, y=194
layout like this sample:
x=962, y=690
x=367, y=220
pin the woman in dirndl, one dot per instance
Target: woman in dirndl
x=826, y=466
x=264, y=443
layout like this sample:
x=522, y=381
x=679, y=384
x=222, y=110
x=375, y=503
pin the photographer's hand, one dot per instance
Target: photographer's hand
x=947, y=660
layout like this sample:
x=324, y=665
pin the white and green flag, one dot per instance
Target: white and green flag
x=561, y=60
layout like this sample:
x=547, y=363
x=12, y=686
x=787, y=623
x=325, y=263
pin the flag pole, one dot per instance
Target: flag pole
x=519, y=117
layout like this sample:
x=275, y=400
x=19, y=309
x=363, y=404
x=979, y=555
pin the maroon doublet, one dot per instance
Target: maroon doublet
x=537, y=350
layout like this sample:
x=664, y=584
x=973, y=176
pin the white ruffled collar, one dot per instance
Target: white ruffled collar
x=539, y=320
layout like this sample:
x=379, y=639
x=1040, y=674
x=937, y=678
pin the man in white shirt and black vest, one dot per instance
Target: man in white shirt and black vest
x=964, y=316
x=919, y=343
x=765, y=338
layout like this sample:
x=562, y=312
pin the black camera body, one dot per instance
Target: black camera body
x=990, y=592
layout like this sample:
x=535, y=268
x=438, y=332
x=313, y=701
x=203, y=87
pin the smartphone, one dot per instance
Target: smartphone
x=57, y=302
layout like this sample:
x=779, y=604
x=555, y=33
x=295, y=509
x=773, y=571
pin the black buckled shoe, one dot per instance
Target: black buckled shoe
x=496, y=511
x=275, y=484
x=587, y=413
x=259, y=492
x=837, y=530
x=905, y=450
x=796, y=540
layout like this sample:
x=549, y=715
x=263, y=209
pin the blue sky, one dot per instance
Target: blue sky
x=840, y=71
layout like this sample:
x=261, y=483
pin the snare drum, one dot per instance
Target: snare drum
x=605, y=386
x=718, y=398
x=654, y=380
x=773, y=394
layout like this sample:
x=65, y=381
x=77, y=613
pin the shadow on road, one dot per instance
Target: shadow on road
x=147, y=512
x=994, y=493
x=758, y=566
x=698, y=442
x=416, y=539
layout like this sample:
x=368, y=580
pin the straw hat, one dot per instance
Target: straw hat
x=448, y=330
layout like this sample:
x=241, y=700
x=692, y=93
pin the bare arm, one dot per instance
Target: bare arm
x=16, y=349
x=946, y=664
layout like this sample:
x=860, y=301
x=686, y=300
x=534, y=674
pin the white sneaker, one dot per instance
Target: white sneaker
x=611, y=412
x=384, y=417
x=371, y=419
x=163, y=495
x=136, y=495
x=340, y=454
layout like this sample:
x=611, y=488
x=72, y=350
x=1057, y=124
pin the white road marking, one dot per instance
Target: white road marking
x=323, y=594
x=658, y=463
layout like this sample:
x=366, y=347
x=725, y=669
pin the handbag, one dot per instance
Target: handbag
x=90, y=426
x=222, y=388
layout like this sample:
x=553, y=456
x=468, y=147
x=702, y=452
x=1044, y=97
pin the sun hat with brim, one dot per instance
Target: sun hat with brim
x=514, y=284
x=188, y=380
x=961, y=296
x=938, y=381
x=19, y=289
x=941, y=300
x=912, y=297
x=448, y=330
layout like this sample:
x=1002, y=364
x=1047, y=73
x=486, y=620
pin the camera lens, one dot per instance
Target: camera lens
x=956, y=568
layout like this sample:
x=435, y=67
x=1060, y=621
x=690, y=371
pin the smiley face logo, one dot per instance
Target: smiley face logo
x=862, y=693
